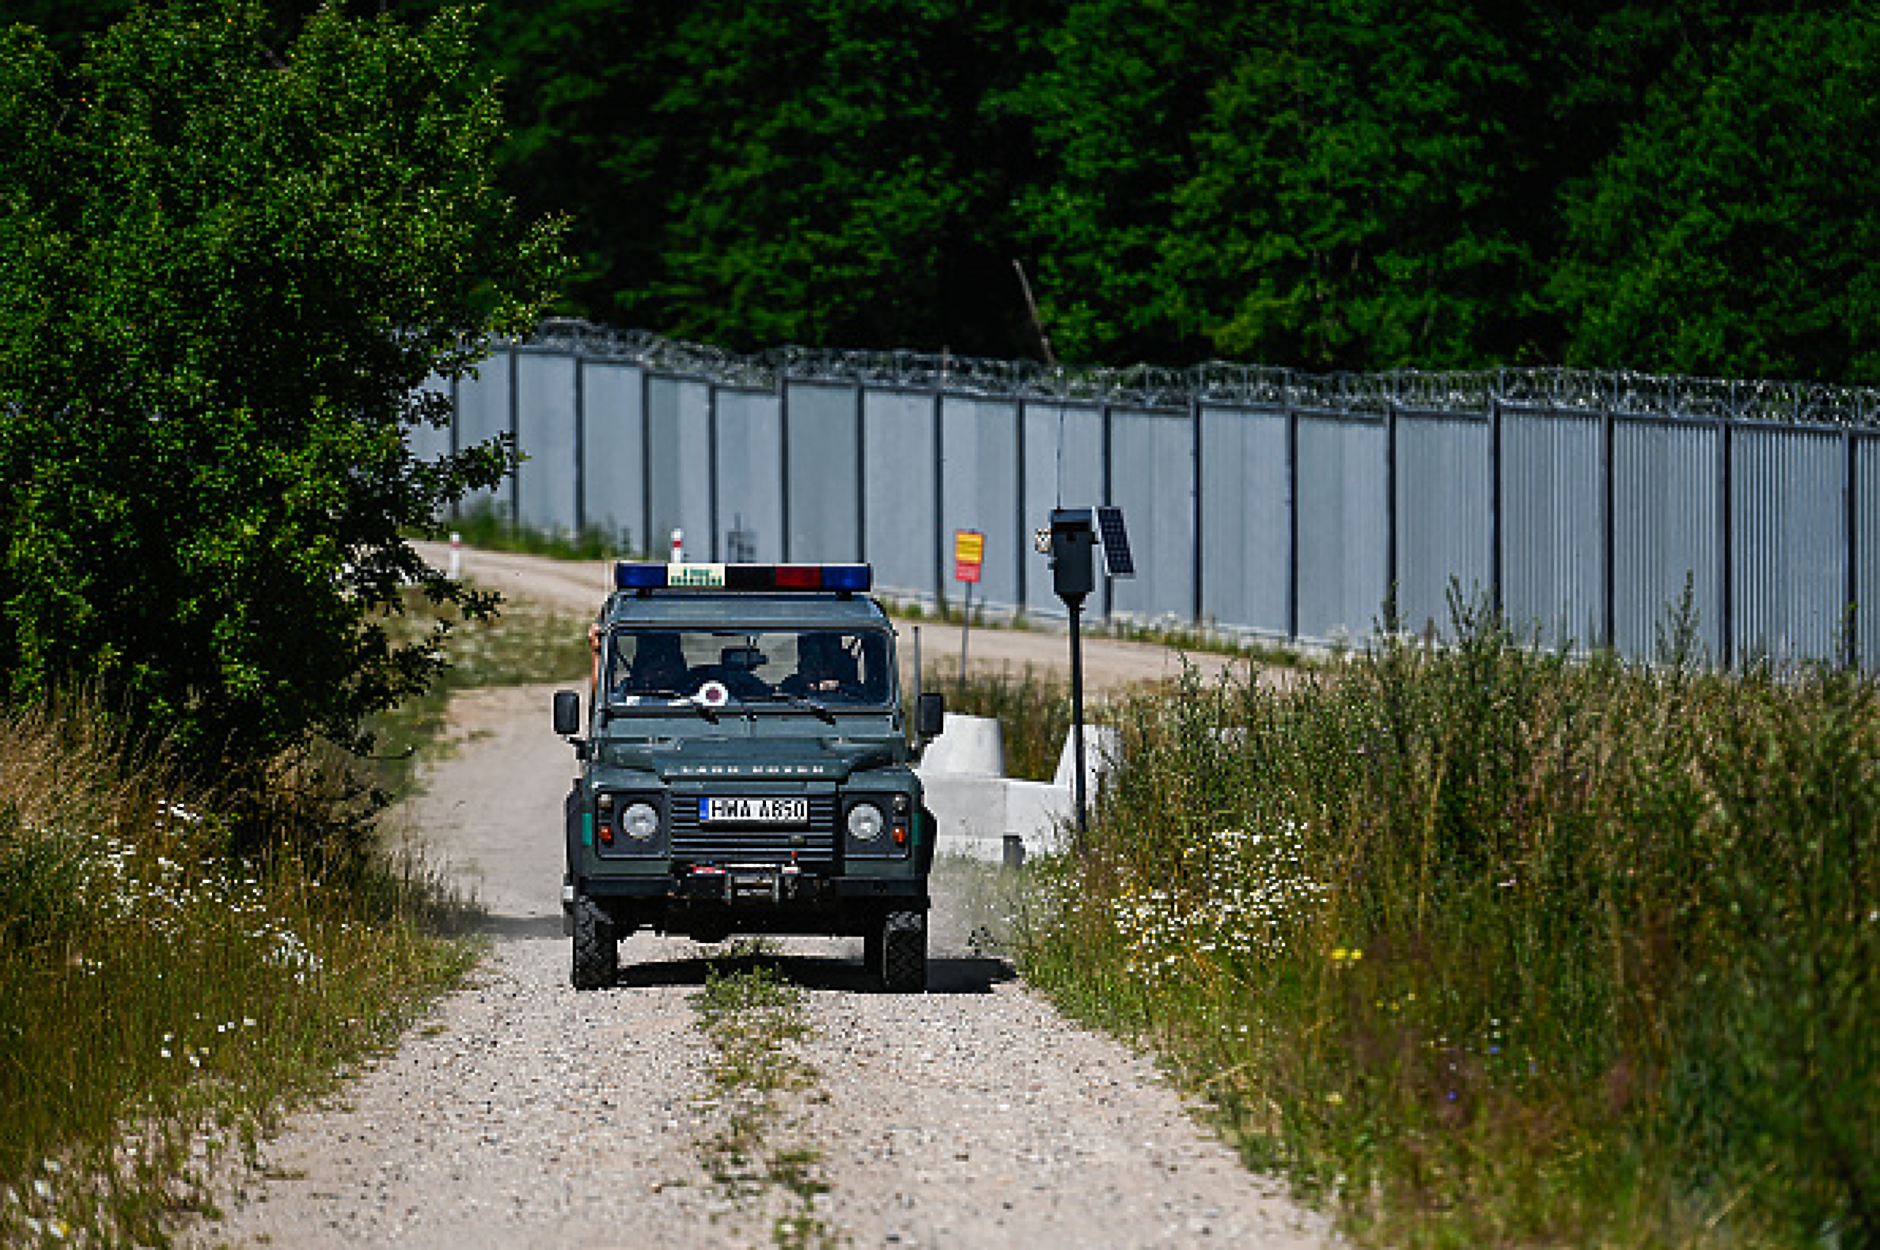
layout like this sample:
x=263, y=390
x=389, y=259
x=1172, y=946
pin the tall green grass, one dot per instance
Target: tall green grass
x=178, y=964
x=1491, y=946
x=159, y=997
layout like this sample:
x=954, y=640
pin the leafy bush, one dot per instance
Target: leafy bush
x=224, y=277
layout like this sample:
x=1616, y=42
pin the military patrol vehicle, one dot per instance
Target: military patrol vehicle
x=746, y=768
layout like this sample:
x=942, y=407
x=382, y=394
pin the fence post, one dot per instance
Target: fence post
x=1608, y=575
x=861, y=474
x=515, y=439
x=1109, y=497
x=1022, y=548
x=783, y=454
x=1496, y=505
x=647, y=542
x=1850, y=510
x=1199, y=522
x=580, y=442
x=1391, y=557
x=1726, y=542
x=939, y=494
x=711, y=466
x=1292, y=524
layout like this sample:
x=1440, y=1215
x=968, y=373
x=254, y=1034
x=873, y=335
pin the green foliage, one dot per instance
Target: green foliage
x=1343, y=186
x=1732, y=231
x=224, y=275
x=1500, y=948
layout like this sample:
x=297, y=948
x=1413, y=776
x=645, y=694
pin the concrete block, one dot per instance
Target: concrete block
x=1103, y=750
x=968, y=745
x=976, y=814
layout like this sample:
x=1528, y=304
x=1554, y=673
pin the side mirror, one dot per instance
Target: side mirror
x=930, y=715
x=567, y=713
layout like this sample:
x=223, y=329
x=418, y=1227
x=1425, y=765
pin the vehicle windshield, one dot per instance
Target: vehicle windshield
x=829, y=667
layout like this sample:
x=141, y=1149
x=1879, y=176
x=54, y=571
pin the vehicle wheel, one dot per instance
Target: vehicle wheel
x=904, y=952
x=871, y=949
x=596, y=947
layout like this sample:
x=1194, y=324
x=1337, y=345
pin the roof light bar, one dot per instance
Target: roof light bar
x=635, y=575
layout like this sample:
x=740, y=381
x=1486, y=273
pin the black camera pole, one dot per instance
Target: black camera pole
x=1071, y=544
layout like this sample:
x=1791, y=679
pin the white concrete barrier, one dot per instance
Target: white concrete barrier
x=970, y=745
x=1103, y=749
x=977, y=814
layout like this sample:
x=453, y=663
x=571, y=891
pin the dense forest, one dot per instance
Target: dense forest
x=1325, y=184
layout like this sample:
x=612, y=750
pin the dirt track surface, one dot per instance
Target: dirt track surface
x=1110, y=664
x=526, y=1114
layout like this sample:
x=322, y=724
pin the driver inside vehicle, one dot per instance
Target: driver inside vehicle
x=824, y=668
x=658, y=666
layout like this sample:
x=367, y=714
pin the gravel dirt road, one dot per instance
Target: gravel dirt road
x=523, y=1113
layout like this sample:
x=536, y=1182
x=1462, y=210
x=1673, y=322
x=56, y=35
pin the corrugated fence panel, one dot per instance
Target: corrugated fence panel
x=902, y=505
x=1342, y=519
x=1245, y=526
x=1665, y=496
x=1443, y=513
x=824, y=504
x=1551, y=555
x=1063, y=468
x=679, y=463
x=750, y=473
x=1152, y=481
x=1867, y=549
x=614, y=438
x=483, y=414
x=547, y=497
x=1788, y=518
x=428, y=442
x=979, y=491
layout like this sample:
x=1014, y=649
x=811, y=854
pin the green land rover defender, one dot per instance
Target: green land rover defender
x=746, y=768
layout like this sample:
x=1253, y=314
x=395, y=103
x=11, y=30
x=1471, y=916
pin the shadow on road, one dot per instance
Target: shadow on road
x=518, y=928
x=946, y=974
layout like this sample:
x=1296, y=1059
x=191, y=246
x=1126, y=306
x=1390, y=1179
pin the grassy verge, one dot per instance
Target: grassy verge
x=484, y=527
x=162, y=1000
x=1488, y=947
x=753, y=1018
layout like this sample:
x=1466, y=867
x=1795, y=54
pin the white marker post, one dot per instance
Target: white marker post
x=456, y=556
x=678, y=547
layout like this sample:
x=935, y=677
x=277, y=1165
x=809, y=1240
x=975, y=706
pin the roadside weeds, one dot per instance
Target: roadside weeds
x=755, y=1152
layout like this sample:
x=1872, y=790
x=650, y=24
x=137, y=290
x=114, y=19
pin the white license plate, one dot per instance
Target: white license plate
x=753, y=811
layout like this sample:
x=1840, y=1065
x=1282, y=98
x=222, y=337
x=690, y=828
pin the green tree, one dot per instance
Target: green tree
x=1360, y=192
x=225, y=274
x=1733, y=229
x=835, y=179
x=1114, y=109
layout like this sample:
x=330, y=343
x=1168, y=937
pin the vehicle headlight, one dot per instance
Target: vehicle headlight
x=865, y=822
x=640, y=820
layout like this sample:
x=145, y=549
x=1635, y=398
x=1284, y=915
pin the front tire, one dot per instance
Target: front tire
x=871, y=949
x=596, y=947
x=904, y=952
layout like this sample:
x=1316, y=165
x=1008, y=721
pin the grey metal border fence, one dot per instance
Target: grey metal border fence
x=1262, y=502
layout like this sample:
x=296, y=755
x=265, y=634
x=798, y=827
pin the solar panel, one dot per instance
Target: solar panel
x=1115, y=539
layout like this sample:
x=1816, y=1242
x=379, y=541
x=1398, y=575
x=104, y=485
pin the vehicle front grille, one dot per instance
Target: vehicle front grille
x=754, y=844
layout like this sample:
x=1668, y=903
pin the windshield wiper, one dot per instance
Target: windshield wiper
x=797, y=700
